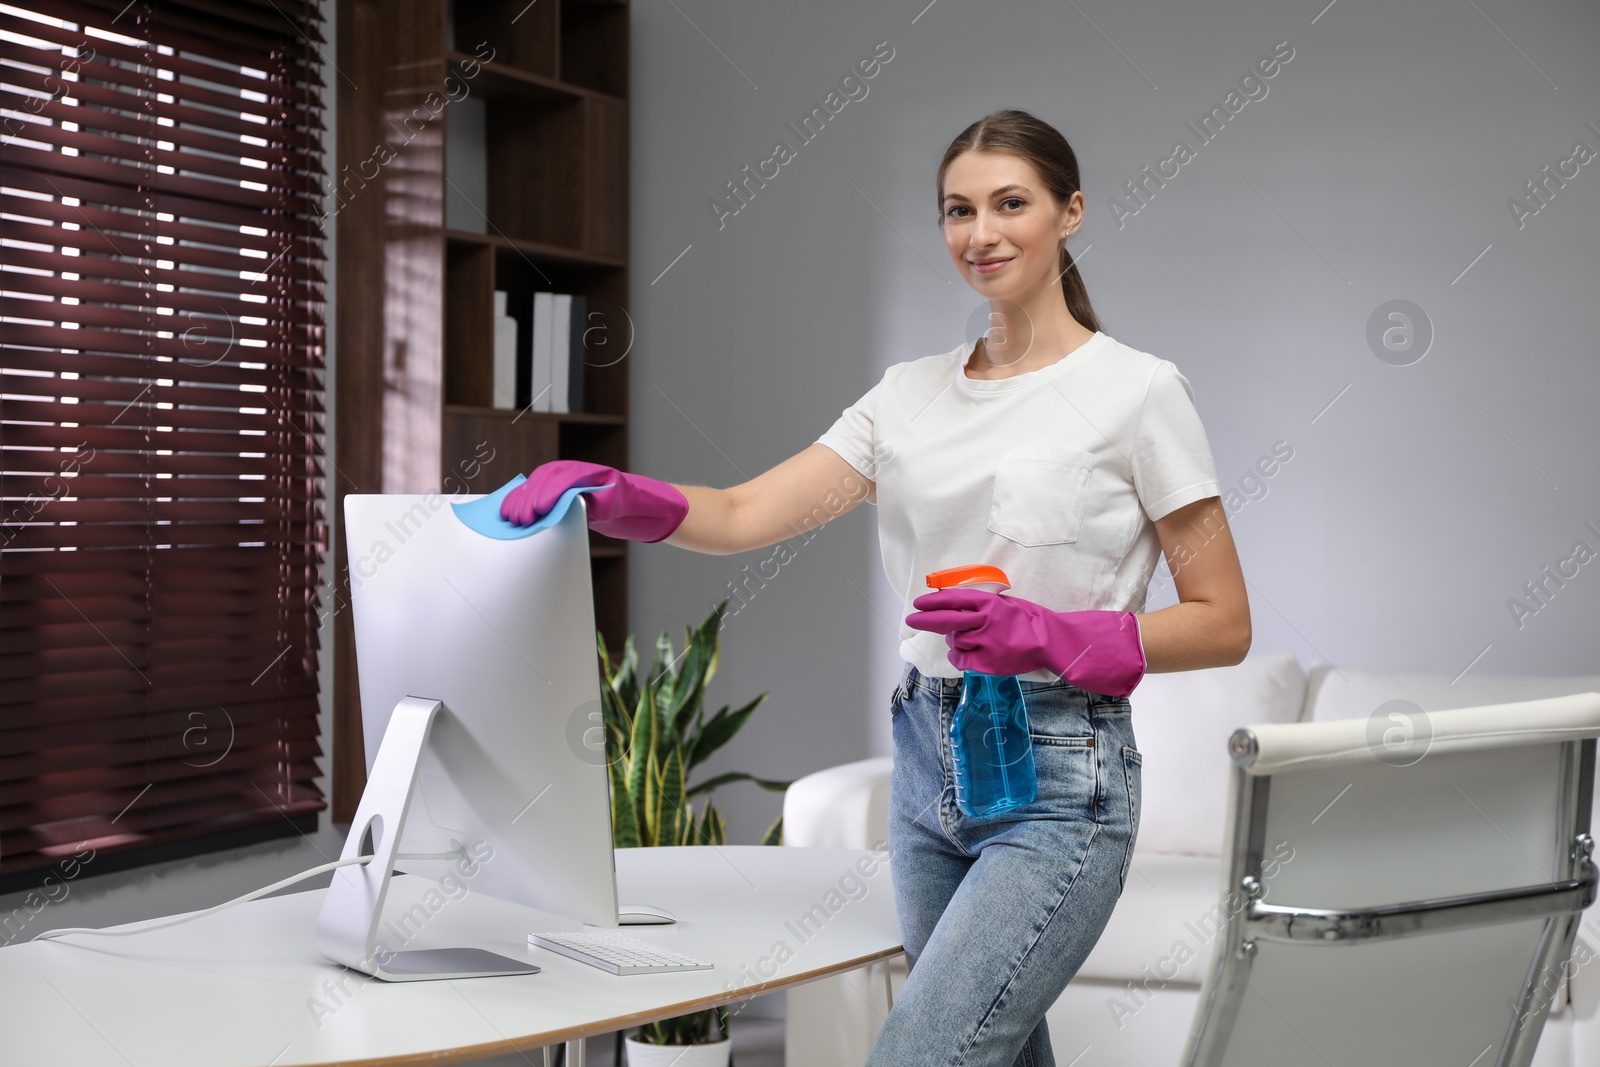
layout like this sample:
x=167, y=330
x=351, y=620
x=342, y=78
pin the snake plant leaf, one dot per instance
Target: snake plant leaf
x=698, y=663
x=617, y=731
x=709, y=632
x=720, y=730
x=671, y=810
x=698, y=735
x=689, y=686
x=672, y=792
x=674, y=835
x=627, y=678
x=664, y=667
x=714, y=642
x=619, y=678
x=614, y=713
x=774, y=834
x=624, y=825
x=738, y=776
x=617, y=696
x=694, y=832
x=686, y=825
x=641, y=746
x=647, y=802
x=691, y=829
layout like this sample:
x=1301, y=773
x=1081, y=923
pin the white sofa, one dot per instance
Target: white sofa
x=1168, y=912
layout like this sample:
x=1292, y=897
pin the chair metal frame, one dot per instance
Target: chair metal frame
x=1561, y=901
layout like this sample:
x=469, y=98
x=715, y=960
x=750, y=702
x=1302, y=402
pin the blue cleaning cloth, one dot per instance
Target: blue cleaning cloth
x=483, y=515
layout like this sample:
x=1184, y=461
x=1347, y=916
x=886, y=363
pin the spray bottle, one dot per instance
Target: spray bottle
x=991, y=753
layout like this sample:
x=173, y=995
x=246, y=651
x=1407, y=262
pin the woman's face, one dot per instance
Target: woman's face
x=996, y=209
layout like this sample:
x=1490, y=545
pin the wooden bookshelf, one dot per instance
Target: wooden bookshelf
x=414, y=332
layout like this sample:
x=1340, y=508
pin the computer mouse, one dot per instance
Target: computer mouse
x=643, y=914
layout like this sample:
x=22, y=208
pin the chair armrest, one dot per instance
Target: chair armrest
x=840, y=807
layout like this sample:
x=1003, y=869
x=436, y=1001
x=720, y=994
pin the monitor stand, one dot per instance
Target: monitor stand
x=347, y=928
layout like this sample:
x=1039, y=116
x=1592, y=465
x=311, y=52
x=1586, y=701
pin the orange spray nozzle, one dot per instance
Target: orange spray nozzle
x=974, y=574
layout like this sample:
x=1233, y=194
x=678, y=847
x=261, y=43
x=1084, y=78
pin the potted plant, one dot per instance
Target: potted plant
x=657, y=732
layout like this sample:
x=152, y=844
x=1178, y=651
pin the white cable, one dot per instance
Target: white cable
x=274, y=887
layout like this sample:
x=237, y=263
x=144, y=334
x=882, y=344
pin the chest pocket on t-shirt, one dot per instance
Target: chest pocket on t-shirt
x=1039, y=494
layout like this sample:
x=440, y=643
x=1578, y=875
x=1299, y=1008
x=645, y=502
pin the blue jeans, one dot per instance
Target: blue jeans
x=998, y=913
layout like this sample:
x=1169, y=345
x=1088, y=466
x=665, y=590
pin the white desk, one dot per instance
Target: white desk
x=242, y=987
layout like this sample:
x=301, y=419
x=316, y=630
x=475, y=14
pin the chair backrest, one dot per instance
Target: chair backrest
x=1403, y=888
x=1346, y=692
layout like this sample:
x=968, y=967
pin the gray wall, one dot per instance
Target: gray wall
x=1378, y=166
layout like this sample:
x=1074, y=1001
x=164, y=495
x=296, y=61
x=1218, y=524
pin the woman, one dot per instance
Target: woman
x=1068, y=460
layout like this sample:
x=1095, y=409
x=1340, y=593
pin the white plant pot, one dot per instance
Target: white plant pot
x=710, y=1054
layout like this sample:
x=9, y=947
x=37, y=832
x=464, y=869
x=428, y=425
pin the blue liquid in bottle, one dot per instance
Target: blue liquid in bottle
x=991, y=754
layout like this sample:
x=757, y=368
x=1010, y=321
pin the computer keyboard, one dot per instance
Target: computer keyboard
x=616, y=952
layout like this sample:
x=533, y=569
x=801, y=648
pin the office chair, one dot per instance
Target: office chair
x=1403, y=889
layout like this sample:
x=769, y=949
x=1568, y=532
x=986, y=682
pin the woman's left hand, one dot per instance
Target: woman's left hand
x=1100, y=651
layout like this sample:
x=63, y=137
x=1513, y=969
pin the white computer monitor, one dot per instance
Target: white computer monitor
x=501, y=633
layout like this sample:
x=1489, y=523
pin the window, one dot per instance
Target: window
x=161, y=423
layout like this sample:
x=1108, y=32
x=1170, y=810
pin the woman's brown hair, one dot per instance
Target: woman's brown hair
x=1042, y=145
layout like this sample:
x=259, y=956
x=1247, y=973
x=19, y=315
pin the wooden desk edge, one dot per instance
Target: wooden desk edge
x=467, y=1053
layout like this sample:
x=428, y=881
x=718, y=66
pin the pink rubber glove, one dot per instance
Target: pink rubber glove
x=634, y=508
x=993, y=633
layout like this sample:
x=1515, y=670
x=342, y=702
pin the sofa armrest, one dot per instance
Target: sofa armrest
x=840, y=807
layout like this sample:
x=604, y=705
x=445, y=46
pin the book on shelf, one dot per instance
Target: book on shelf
x=543, y=333
x=560, y=350
x=555, y=368
x=505, y=354
x=575, y=361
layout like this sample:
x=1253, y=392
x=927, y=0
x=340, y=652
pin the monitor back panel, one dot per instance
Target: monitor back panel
x=503, y=633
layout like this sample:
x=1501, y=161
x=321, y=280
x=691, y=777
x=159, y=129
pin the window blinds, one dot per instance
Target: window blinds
x=161, y=423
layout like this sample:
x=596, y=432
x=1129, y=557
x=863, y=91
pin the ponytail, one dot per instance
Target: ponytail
x=1076, y=292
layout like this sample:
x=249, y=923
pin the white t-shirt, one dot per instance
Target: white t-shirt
x=1055, y=476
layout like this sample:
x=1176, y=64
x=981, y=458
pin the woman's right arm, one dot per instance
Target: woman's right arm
x=803, y=492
